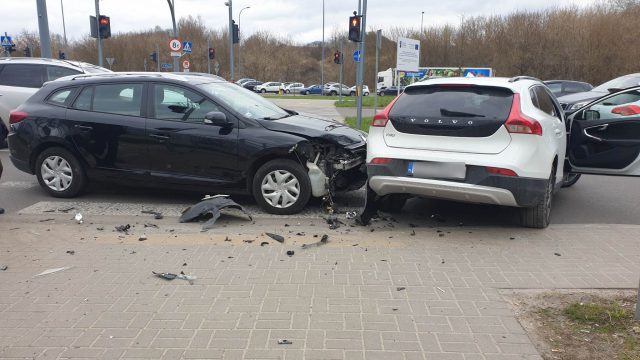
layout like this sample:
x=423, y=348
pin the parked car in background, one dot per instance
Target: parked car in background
x=250, y=85
x=336, y=89
x=565, y=87
x=272, y=86
x=313, y=89
x=493, y=141
x=22, y=77
x=244, y=80
x=573, y=102
x=391, y=91
x=294, y=88
x=194, y=132
x=365, y=90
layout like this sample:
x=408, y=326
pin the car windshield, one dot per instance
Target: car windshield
x=622, y=82
x=243, y=101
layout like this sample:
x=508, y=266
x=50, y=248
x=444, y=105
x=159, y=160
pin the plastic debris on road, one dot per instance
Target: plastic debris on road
x=78, y=218
x=170, y=276
x=323, y=240
x=284, y=342
x=123, y=228
x=211, y=206
x=156, y=214
x=54, y=270
x=276, y=237
x=3, y=267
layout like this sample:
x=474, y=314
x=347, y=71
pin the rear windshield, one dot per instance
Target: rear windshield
x=459, y=102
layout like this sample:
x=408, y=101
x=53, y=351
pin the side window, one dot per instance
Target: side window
x=123, y=99
x=544, y=101
x=22, y=75
x=55, y=72
x=556, y=88
x=534, y=98
x=620, y=106
x=177, y=103
x=60, y=97
x=83, y=102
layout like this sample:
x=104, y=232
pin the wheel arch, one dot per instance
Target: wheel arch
x=50, y=144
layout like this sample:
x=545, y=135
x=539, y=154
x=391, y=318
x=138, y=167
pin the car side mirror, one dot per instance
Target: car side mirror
x=216, y=118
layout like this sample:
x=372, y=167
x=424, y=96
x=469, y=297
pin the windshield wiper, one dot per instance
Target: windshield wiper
x=276, y=118
x=445, y=112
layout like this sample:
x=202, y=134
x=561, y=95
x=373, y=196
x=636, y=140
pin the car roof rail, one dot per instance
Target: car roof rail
x=117, y=74
x=523, y=77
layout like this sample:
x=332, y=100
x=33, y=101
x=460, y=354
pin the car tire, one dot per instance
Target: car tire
x=264, y=91
x=333, y=93
x=288, y=91
x=366, y=94
x=3, y=135
x=570, y=179
x=280, y=172
x=54, y=167
x=538, y=216
x=305, y=93
x=392, y=203
x=353, y=93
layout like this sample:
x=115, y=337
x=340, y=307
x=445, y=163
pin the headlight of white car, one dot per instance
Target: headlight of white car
x=578, y=105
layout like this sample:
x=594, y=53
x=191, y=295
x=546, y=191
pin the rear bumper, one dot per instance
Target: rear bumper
x=478, y=186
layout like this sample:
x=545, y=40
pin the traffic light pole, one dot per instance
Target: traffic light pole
x=176, y=59
x=98, y=29
x=158, y=57
x=362, y=47
x=229, y=3
x=341, y=63
x=208, y=57
x=43, y=29
x=375, y=84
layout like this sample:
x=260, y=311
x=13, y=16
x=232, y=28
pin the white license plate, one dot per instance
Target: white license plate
x=437, y=170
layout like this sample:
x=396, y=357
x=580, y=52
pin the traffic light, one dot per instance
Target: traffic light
x=355, y=33
x=236, y=32
x=104, y=27
x=154, y=57
x=212, y=53
x=337, y=57
x=27, y=52
x=62, y=55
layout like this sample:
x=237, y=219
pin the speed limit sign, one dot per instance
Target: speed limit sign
x=175, y=45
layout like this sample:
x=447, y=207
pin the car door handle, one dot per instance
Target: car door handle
x=83, y=127
x=602, y=127
x=558, y=131
x=159, y=137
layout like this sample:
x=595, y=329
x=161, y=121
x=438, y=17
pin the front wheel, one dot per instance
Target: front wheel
x=352, y=93
x=60, y=173
x=539, y=215
x=570, y=179
x=333, y=93
x=264, y=91
x=305, y=93
x=281, y=187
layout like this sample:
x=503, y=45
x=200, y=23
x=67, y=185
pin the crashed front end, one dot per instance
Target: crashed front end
x=332, y=167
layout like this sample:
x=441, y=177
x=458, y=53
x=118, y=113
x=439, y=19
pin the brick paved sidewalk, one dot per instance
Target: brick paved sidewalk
x=362, y=296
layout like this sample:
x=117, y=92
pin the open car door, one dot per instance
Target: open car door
x=605, y=136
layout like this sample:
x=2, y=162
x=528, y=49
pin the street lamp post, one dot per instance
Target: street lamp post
x=176, y=60
x=64, y=27
x=240, y=43
x=230, y=5
x=422, y=23
x=322, y=62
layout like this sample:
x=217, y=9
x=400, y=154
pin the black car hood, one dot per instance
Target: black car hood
x=581, y=96
x=314, y=127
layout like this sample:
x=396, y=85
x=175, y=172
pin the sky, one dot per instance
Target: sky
x=298, y=20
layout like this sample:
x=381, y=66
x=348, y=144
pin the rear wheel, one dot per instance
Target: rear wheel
x=263, y=91
x=538, y=216
x=305, y=93
x=333, y=93
x=60, y=173
x=281, y=187
x=570, y=179
x=353, y=93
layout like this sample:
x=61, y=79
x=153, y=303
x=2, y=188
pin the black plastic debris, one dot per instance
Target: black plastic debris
x=290, y=252
x=156, y=214
x=66, y=210
x=413, y=233
x=227, y=239
x=1, y=211
x=100, y=228
x=248, y=241
x=323, y=240
x=264, y=243
x=557, y=254
x=211, y=208
x=45, y=220
x=71, y=252
x=275, y=237
x=284, y=342
x=3, y=267
x=333, y=222
x=170, y=276
x=400, y=288
x=123, y=228
x=149, y=225
x=142, y=237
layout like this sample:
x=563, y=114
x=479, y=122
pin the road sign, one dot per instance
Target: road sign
x=5, y=41
x=186, y=64
x=111, y=60
x=408, y=54
x=166, y=66
x=186, y=46
x=176, y=54
x=175, y=45
x=356, y=56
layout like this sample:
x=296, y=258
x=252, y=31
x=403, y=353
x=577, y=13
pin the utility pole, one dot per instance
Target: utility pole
x=230, y=5
x=64, y=27
x=421, y=23
x=98, y=29
x=361, y=67
x=176, y=59
x=43, y=28
x=322, y=62
x=375, y=84
x=341, y=64
x=208, y=58
x=239, y=43
x=158, y=62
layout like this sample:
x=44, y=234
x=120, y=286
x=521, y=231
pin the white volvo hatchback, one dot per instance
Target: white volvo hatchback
x=493, y=141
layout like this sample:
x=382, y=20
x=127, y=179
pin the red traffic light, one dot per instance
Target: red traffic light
x=104, y=21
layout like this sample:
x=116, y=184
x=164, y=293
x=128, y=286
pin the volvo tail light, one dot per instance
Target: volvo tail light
x=519, y=123
x=380, y=119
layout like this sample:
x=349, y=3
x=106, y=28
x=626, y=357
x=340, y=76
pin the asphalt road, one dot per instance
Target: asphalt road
x=593, y=200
